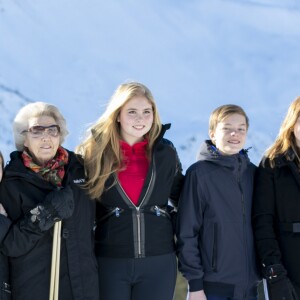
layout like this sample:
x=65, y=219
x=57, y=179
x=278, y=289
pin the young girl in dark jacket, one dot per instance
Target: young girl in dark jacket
x=132, y=172
x=276, y=211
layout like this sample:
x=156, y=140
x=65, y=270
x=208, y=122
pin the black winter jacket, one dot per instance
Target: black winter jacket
x=214, y=232
x=129, y=231
x=5, y=292
x=276, y=215
x=30, y=249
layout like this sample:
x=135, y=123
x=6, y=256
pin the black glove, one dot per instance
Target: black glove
x=57, y=206
x=279, y=286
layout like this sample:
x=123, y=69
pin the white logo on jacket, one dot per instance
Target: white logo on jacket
x=80, y=180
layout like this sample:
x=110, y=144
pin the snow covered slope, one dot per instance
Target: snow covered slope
x=193, y=55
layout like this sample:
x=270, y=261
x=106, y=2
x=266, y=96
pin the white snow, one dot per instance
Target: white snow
x=193, y=55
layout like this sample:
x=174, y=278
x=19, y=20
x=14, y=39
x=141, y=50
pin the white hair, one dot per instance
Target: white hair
x=35, y=110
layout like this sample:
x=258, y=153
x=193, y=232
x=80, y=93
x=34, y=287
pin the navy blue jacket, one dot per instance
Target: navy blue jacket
x=215, y=242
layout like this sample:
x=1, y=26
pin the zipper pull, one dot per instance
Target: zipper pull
x=117, y=212
x=157, y=210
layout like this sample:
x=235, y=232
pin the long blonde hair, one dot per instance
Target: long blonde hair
x=286, y=138
x=101, y=148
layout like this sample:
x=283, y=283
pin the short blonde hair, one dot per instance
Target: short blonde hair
x=222, y=112
x=35, y=110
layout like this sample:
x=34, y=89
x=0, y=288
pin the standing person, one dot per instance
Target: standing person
x=5, y=291
x=132, y=172
x=276, y=209
x=40, y=186
x=215, y=242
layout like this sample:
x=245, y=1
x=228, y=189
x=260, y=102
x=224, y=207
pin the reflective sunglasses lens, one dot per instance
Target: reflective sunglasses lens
x=38, y=131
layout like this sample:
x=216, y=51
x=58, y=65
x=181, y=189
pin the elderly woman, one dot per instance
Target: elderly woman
x=41, y=186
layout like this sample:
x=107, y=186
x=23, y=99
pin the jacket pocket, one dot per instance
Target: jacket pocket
x=114, y=211
x=208, y=246
x=168, y=212
x=214, y=248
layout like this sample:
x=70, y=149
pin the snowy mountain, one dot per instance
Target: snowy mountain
x=193, y=55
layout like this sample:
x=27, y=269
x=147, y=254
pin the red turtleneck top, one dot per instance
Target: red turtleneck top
x=136, y=167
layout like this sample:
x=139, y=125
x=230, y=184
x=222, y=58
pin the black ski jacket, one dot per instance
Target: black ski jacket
x=30, y=249
x=214, y=233
x=128, y=231
x=276, y=215
x=5, y=292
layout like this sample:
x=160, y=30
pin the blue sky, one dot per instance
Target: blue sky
x=193, y=55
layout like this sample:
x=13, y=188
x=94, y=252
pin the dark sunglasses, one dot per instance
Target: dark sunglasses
x=39, y=131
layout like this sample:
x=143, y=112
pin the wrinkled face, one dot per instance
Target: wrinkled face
x=42, y=139
x=136, y=118
x=230, y=135
x=297, y=132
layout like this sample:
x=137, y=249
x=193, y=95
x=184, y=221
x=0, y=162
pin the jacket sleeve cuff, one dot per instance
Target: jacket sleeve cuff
x=195, y=285
x=271, y=261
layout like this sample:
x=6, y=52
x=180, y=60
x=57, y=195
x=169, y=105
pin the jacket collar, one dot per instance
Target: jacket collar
x=288, y=160
x=285, y=159
x=208, y=152
x=16, y=169
x=164, y=128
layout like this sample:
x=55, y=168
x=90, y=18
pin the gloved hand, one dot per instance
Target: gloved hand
x=57, y=206
x=279, y=286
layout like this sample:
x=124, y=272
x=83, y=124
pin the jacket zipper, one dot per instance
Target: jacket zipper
x=138, y=212
x=241, y=190
x=243, y=212
x=159, y=211
x=116, y=211
x=138, y=218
